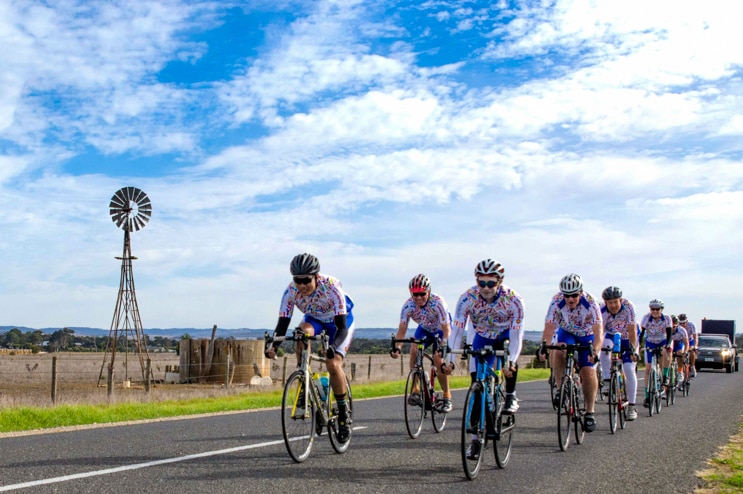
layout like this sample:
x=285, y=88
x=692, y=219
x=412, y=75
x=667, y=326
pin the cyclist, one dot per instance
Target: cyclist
x=577, y=317
x=618, y=315
x=691, y=332
x=656, y=327
x=680, y=347
x=326, y=308
x=496, y=313
x=431, y=313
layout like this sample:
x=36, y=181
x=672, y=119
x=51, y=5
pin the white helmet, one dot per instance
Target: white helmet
x=656, y=303
x=489, y=267
x=570, y=284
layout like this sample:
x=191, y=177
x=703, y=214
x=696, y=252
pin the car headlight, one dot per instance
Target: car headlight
x=725, y=353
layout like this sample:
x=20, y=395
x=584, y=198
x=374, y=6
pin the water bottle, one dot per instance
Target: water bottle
x=325, y=381
x=320, y=387
x=617, y=343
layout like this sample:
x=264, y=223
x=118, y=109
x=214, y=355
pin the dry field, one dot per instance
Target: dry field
x=26, y=380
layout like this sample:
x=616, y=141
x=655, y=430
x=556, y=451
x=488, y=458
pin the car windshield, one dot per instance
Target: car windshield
x=713, y=342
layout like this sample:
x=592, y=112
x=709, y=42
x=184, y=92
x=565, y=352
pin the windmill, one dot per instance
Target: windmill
x=130, y=210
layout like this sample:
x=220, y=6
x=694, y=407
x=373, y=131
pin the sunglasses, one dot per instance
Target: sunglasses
x=302, y=281
x=655, y=308
x=419, y=294
x=572, y=295
x=489, y=284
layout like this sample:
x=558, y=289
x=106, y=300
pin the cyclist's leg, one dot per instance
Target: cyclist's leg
x=557, y=357
x=588, y=376
x=630, y=377
x=605, y=357
x=511, y=404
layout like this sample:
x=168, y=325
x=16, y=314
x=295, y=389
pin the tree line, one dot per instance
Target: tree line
x=65, y=340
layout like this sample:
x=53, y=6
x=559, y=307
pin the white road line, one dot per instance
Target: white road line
x=136, y=466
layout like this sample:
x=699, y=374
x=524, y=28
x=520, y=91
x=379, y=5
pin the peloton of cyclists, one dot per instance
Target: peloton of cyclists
x=657, y=328
x=691, y=332
x=618, y=316
x=680, y=347
x=496, y=313
x=430, y=311
x=327, y=308
x=577, y=317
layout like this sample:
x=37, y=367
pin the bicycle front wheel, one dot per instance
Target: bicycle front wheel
x=623, y=403
x=297, y=418
x=613, y=403
x=652, y=391
x=333, y=427
x=473, y=431
x=438, y=418
x=565, y=413
x=415, y=402
x=578, y=400
x=504, y=425
x=553, y=389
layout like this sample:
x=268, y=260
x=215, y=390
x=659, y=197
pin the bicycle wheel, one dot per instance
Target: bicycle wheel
x=687, y=386
x=672, y=389
x=651, y=391
x=578, y=400
x=602, y=384
x=415, y=410
x=623, y=403
x=438, y=418
x=613, y=402
x=333, y=427
x=658, y=393
x=297, y=418
x=473, y=431
x=553, y=389
x=504, y=425
x=565, y=414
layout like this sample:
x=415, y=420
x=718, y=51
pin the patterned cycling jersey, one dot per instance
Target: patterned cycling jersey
x=430, y=317
x=655, y=329
x=691, y=330
x=579, y=321
x=489, y=320
x=619, y=322
x=326, y=302
x=679, y=334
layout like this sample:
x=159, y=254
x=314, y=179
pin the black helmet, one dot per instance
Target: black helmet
x=304, y=264
x=674, y=319
x=611, y=292
x=682, y=317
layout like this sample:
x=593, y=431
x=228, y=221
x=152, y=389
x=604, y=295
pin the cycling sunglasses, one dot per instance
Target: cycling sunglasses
x=302, y=281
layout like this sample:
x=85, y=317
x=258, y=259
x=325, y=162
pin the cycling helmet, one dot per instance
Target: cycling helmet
x=682, y=317
x=611, y=292
x=570, y=284
x=420, y=283
x=674, y=319
x=656, y=304
x=489, y=267
x=304, y=264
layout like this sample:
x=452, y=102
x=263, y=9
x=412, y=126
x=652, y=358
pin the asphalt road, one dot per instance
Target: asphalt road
x=244, y=452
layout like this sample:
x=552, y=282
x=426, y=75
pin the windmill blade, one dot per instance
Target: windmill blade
x=124, y=214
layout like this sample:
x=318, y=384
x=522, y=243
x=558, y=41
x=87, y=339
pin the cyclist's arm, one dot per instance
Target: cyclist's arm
x=401, y=330
x=669, y=337
x=281, y=326
x=632, y=331
x=514, y=345
x=341, y=329
x=597, y=329
x=455, y=338
x=549, y=331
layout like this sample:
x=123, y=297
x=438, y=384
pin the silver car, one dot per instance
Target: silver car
x=715, y=352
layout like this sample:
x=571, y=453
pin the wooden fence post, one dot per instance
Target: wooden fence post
x=54, y=380
x=110, y=380
x=368, y=371
x=227, y=371
x=147, y=378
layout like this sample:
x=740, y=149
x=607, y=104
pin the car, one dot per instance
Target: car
x=716, y=352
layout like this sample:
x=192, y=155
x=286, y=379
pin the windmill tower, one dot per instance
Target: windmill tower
x=130, y=210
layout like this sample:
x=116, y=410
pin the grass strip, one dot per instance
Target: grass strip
x=31, y=418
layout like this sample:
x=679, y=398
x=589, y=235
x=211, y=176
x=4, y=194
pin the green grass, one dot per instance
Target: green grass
x=725, y=474
x=32, y=418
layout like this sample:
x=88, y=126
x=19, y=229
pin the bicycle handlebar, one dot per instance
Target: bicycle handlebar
x=297, y=335
x=485, y=351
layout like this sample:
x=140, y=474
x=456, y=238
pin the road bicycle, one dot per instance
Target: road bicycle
x=306, y=406
x=655, y=382
x=686, y=369
x=429, y=400
x=672, y=383
x=571, y=405
x=481, y=424
x=617, y=393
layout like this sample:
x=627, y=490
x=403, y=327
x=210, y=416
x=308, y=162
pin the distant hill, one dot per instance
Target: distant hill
x=240, y=333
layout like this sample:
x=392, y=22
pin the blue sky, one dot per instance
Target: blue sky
x=387, y=138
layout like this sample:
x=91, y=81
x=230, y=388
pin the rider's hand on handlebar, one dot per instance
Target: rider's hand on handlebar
x=270, y=352
x=394, y=352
